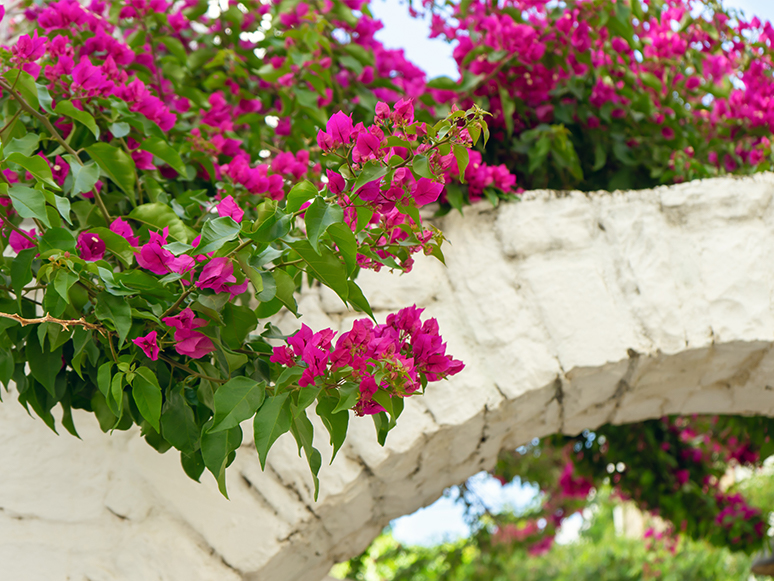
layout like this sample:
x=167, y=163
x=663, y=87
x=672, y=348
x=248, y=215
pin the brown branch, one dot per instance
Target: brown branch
x=66, y=323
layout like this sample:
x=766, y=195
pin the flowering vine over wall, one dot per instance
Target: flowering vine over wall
x=167, y=184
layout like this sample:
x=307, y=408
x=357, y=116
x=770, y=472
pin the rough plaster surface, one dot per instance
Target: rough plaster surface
x=570, y=311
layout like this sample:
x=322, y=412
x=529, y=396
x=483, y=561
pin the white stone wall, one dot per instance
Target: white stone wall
x=570, y=311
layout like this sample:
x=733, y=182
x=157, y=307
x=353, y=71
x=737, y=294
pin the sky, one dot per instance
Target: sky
x=444, y=519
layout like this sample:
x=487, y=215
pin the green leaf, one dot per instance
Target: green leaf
x=164, y=152
x=67, y=109
x=84, y=176
x=269, y=290
x=325, y=267
x=236, y=401
x=509, y=108
x=67, y=417
x=622, y=153
x=270, y=422
x=371, y=171
x=44, y=97
x=175, y=47
x=40, y=401
x=25, y=145
x=103, y=377
x=218, y=449
x=158, y=215
x=117, y=310
x=345, y=240
x=193, y=464
x=37, y=166
x=120, y=129
x=178, y=425
x=57, y=239
x=285, y=289
x=7, y=367
x=444, y=83
x=29, y=203
x=115, y=398
x=318, y=217
x=21, y=270
x=299, y=194
x=147, y=395
x=421, y=167
x=25, y=85
x=116, y=244
x=63, y=280
x=215, y=233
x=117, y=165
x=63, y=207
x=599, y=157
x=303, y=432
x=239, y=320
x=335, y=422
x=462, y=156
x=349, y=393
x=271, y=226
x=44, y=364
x=303, y=398
x=358, y=300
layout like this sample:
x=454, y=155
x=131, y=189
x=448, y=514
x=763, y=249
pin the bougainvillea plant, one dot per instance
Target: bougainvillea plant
x=611, y=94
x=165, y=188
x=673, y=468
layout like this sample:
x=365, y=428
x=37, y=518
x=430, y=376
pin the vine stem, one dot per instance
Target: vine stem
x=66, y=323
x=102, y=208
x=178, y=302
x=19, y=231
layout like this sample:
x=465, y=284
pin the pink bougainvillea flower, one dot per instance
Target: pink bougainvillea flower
x=426, y=191
x=160, y=239
x=228, y=207
x=149, y=345
x=217, y=274
x=185, y=320
x=19, y=242
x=367, y=146
x=403, y=111
x=366, y=406
x=143, y=160
x=193, y=344
x=29, y=48
x=91, y=246
x=60, y=169
x=382, y=111
x=336, y=183
x=155, y=258
x=282, y=355
x=339, y=128
x=122, y=228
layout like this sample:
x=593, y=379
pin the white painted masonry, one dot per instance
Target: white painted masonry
x=570, y=311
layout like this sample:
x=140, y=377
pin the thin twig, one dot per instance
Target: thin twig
x=66, y=323
x=178, y=302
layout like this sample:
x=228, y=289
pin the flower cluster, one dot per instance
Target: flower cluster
x=396, y=358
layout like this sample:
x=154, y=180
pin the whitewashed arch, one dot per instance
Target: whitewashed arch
x=570, y=311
